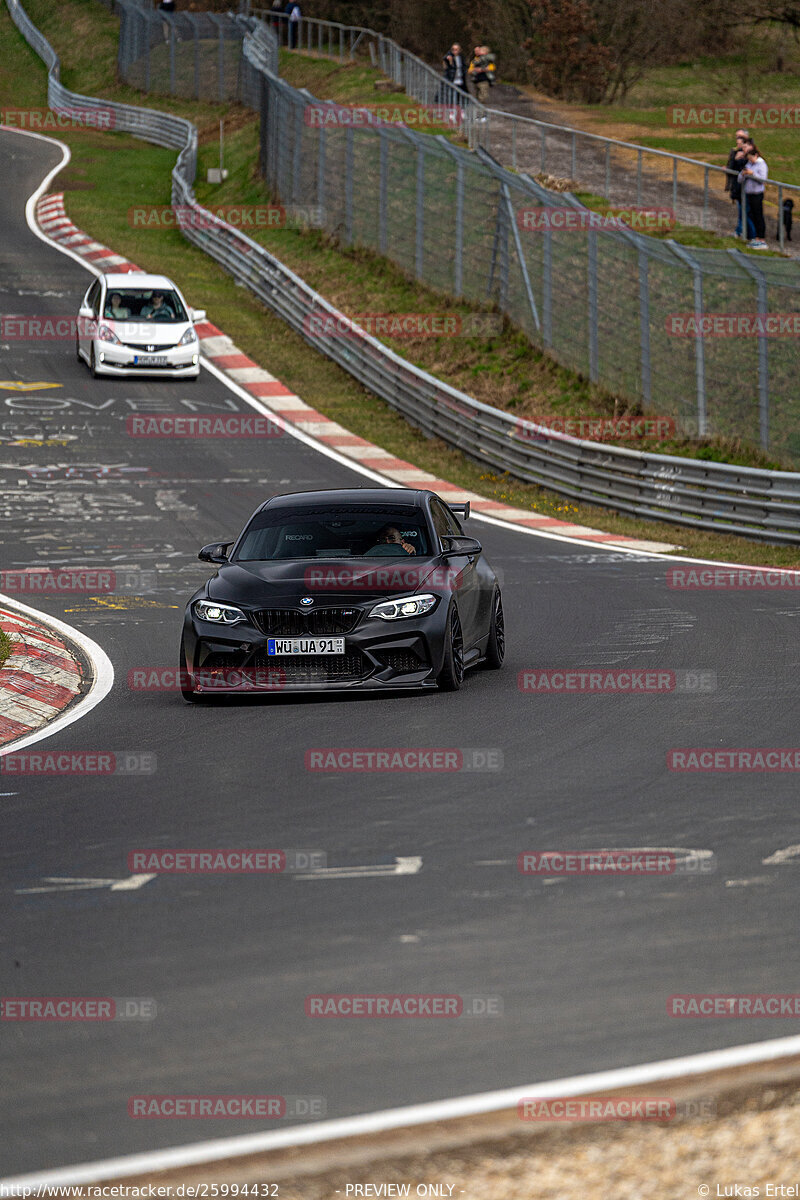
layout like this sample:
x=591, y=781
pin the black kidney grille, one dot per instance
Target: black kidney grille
x=287, y=622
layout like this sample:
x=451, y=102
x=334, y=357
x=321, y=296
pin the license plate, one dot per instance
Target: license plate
x=149, y=360
x=306, y=645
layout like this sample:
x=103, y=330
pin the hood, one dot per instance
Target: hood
x=329, y=581
x=148, y=333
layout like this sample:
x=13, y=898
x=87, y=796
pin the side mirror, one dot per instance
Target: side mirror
x=197, y=314
x=216, y=552
x=460, y=545
x=86, y=313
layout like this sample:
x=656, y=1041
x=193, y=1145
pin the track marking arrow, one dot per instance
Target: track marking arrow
x=400, y=866
x=62, y=884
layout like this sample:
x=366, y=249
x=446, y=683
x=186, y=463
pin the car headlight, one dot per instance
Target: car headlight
x=188, y=338
x=220, y=614
x=406, y=606
x=107, y=335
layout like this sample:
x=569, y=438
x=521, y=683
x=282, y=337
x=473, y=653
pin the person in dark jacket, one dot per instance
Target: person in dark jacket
x=455, y=67
x=737, y=160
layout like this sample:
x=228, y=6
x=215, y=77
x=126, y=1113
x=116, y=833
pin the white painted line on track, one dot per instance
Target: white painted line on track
x=418, y=1114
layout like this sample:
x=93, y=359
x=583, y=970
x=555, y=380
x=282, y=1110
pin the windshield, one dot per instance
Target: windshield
x=342, y=532
x=144, y=304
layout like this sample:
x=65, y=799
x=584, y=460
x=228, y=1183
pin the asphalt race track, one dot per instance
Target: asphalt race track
x=584, y=966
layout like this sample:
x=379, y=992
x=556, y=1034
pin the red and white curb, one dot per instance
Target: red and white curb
x=219, y=350
x=38, y=680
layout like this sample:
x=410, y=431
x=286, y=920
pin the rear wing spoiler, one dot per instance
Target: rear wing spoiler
x=461, y=510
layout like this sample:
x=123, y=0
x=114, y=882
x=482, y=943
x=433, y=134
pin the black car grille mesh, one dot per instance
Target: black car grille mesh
x=401, y=661
x=289, y=623
x=309, y=668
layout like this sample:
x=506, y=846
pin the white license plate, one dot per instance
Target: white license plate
x=149, y=360
x=306, y=645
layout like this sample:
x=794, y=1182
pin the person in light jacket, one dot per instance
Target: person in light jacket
x=752, y=179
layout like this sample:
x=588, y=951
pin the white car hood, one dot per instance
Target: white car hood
x=149, y=333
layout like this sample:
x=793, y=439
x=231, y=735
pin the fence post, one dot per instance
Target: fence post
x=458, y=266
x=171, y=58
x=705, y=199
x=420, y=222
x=591, y=264
x=523, y=265
x=221, y=63
x=608, y=169
x=644, y=322
x=322, y=147
x=297, y=153
x=348, y=186
x=383, y=192
x=763, y=344
x=196, y=46
x=700, y=346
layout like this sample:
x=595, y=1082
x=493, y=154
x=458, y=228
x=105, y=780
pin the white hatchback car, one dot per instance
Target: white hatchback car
x=137, y=324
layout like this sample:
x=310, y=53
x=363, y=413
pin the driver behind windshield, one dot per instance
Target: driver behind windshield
x=389, y=541
x=159, y=310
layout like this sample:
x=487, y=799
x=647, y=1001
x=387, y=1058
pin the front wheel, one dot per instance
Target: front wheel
x=187, y=683
x=451, y=675
x=496, y=645
x=92, y=363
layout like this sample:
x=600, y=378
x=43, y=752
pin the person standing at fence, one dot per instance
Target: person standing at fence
x=753, y=178
x=294, y=14
x=275, y=11
x=481, y=73
x=453, y=64
x=737, y=160
x=167, y=6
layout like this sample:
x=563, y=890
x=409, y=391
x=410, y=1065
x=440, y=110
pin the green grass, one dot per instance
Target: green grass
x=6, y=646
x=102, y=186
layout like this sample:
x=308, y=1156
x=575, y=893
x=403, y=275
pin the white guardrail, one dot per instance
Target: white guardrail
x=739, y=500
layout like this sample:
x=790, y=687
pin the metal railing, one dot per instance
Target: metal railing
x=601, y=164
x=754, y=503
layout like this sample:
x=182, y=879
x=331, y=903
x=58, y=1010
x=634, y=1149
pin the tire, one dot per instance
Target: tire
x=451, y=675
x=92, y=364
x=78, y=351
x=496, y=645
x=187, y=689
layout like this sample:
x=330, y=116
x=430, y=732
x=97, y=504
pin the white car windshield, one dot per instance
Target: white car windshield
x=145, y=304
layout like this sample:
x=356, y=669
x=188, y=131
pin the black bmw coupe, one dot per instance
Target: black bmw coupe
x=362, y=588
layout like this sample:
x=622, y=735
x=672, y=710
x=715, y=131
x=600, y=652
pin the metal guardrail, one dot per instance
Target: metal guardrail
x=716, y=496
x=535, y=146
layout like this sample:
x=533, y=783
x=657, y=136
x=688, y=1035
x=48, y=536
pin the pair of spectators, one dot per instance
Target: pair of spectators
x=480, y=72
x=745, y=182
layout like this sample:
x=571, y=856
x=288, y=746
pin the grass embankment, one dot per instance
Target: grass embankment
x=110, y=173
x=6, y=646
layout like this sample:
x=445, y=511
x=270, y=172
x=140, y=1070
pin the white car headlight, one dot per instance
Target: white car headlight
x=188, y=338
x=406, y=606
x=220, y=614
x=107, y=335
